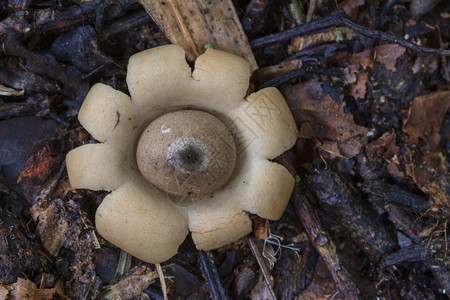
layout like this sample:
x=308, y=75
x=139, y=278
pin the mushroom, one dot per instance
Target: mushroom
x=187, y=152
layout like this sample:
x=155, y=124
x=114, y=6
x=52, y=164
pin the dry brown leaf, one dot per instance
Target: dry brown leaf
x=194, y=23
x=25, y=289
x=40, y=166
x=365, y=58
x=393, y=169
x=356, y=72
x=426, y=164
x=358, y=89
x=3, y=292
x=425, y=118
x=319, y=117
x=388, y=54
x=351, y=7
x=356, y=76
x=430, y=173
x=384, y=146
x=63, y=231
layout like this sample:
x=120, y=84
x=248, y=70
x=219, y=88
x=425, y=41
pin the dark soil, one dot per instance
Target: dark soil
x=371, y=162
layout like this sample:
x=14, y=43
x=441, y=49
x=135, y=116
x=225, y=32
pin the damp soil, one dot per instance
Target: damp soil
x=369, y=213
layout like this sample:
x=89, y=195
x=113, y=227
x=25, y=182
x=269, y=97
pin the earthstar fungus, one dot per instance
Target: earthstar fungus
x=187, y=152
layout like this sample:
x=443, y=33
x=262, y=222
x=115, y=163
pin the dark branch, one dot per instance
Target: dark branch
x=339, y=18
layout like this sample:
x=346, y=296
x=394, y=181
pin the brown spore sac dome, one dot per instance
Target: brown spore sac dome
x=187, y=153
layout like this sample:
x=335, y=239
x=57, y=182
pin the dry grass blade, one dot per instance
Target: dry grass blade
x=162, y=280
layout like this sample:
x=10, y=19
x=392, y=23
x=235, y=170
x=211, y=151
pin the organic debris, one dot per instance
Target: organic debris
x=368, y=84
x=323, y=120
x=25, y=289
x=17, y=255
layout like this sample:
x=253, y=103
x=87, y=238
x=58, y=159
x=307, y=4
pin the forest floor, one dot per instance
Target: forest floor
x=369, y=88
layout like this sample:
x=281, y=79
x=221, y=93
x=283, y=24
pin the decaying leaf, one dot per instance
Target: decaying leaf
x=358, y=89
x=63, y=232
x=3, y=292
x=425, y=118
x=40, y=165
x=384, y=146
x=25, y=289
x=322, y=286
x=426, y=164
x=365, y=58
x=386, y=55
x=131, y=286
x=351, y=7
x=320, y=118
x=17, y=254
x=23, y=152
x=245, y=279
x=430, y=173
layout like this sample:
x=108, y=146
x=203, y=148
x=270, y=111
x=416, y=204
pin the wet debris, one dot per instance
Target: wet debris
x=324, y=121
x=18, y=254
x=338, y=197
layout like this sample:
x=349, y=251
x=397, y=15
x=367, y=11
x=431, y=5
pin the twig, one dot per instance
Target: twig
x=51, y=20
x=444, y=59
x=339, y=198
x=74, y=86
x=300, y=72
x=130, y=21
x=211, y=275
x=431, y=251
x=317, y=50
x=264, y=269
x=162, y=281
x=385, y=11
x=324, y=245
x=339, y=18
x=445, y=237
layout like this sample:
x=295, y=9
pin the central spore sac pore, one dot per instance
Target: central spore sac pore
x=186, y=153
